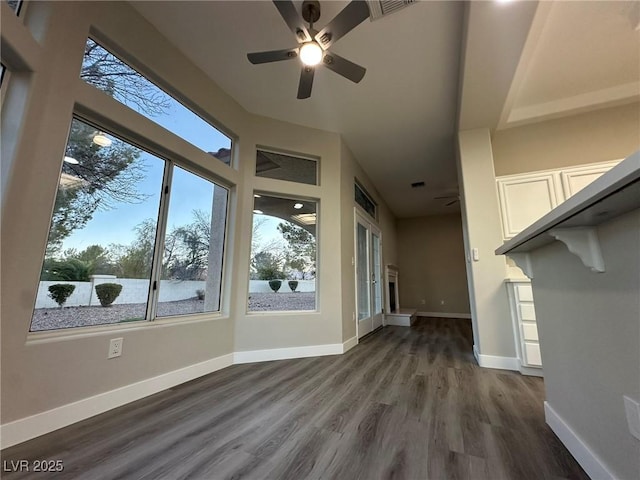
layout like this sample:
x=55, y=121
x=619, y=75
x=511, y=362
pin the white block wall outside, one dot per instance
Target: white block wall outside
x=135, y=290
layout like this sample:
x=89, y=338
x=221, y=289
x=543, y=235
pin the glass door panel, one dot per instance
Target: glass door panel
x=376, y=276
x=362, y=254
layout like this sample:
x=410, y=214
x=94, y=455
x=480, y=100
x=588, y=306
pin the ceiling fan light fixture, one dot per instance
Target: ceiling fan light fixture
x=311, y=54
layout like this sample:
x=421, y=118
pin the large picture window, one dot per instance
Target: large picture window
x=283, y=254
x=105, y=261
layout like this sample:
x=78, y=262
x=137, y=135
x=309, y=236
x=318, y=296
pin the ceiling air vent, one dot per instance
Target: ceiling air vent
x=380, y=8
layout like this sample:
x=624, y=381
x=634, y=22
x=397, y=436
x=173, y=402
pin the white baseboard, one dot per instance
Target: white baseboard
x=531, y=371
x=444, y=315
x=349, y=344
x=27, y=428
x=492, y=361
x=587, y=459
x=251, y=356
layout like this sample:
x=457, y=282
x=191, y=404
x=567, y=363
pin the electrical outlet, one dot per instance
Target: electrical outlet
x=423, y=301
x=441, y=302
x=115, y=347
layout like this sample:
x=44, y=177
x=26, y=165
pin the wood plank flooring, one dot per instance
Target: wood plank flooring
x=406, y=403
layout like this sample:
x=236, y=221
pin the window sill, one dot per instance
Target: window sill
x=49, y=336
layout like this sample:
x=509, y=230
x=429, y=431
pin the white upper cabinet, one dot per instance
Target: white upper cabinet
x=575, y=179
x=526, y=197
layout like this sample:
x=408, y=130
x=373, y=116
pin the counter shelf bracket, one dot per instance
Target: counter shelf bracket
x=582, y=242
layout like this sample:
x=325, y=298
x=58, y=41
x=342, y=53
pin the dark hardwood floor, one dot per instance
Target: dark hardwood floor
x=406, y=403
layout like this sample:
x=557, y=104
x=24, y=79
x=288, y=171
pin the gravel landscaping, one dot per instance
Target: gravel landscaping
x=67, y=317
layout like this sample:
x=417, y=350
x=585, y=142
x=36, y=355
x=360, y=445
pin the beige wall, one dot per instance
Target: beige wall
x=266, y=330
x=598, y=136
x=591, y=355
x=432, y=264
x=602, y=135
x=44, y=371
x=490, y=316
x=350, y=171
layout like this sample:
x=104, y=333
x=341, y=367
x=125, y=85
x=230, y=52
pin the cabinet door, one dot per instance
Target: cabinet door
x=526, y=198
x=575, y=179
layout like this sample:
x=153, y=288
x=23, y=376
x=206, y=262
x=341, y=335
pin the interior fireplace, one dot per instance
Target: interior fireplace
x=393, y=301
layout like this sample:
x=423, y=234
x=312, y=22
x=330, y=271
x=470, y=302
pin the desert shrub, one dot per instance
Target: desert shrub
x=293, y=284
x=59, y=292
x=200, y=294
x=275, y=285
x=107, y=293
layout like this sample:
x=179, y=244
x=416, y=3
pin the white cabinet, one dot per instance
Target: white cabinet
x=526, y=197
x=575, y=179
x=525, y=328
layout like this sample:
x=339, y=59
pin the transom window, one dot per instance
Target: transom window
x=363, y=199
x=286, y=167
x=15, y=5
x=105, y=71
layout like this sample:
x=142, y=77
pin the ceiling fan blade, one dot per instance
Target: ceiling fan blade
x=350, y=17
x=306, y=82
x=344, y=67
x=272, y=56
x=293, y=20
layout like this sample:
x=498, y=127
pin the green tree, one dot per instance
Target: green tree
x=96, y=257
x=134, y=260
x=268, y=266
x=103, y=178
x=300, y=252
x=71, y=270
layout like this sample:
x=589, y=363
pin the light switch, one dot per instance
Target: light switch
x=475, y=254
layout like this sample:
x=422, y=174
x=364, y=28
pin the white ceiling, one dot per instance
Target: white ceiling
x=400, y=121
x=579, y=56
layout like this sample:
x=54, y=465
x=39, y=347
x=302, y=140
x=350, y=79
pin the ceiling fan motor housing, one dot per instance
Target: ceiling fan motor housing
x=311, y=11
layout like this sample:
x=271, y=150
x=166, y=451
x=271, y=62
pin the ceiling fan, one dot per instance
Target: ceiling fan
x=313, y=45
x=453, y=199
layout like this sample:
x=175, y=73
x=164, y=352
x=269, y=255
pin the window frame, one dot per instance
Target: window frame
x=116, y=128
x=358, y=186
x=20, y=9
x=301, y=156
x=153, y=78
x=292, y=197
